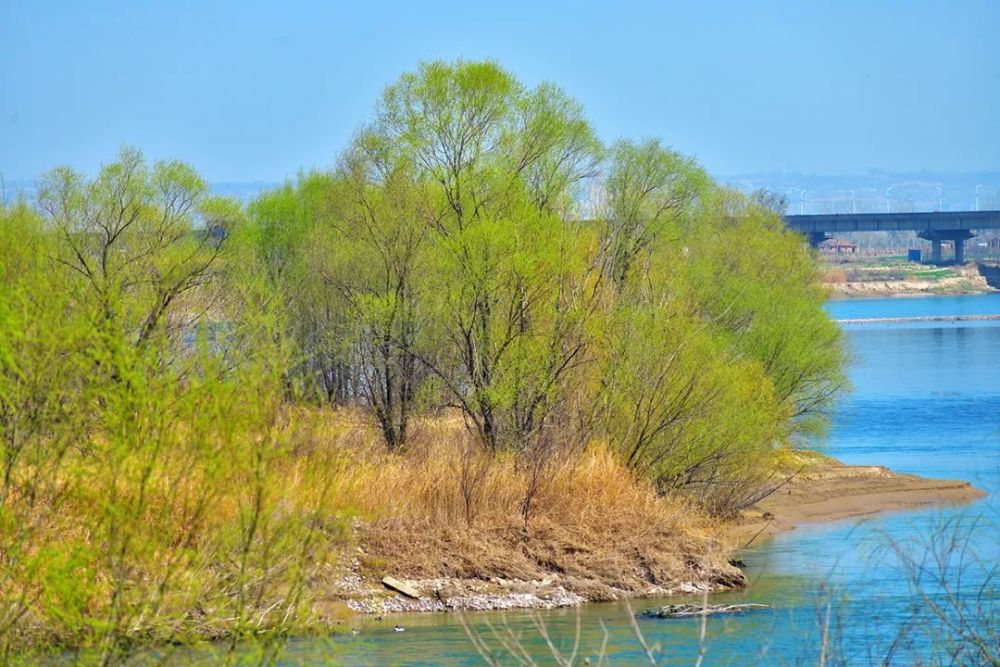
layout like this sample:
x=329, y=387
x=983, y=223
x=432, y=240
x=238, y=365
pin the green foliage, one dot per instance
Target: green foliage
x=649, y=189
x=129, y=239
x=152, y=337
x=682, y=408
x=497, y=164
x=448, y=259
x=718, y=350
x=760, y=286
x=371, y=254
x=126, y=418
x=280, y=248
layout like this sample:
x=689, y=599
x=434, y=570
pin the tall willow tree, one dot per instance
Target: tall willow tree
x=497, y=164
x=760, y=286
x=373, y=255
x=287, y=230
x=717, y=349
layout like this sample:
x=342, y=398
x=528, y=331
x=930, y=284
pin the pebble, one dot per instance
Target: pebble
x=446, y=594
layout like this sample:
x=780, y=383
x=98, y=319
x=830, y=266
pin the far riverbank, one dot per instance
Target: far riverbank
x=896, y=278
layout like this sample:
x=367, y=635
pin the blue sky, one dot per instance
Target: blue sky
x=250, y=91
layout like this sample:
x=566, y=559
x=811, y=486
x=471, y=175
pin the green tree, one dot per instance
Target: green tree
x=286, y=234
x=760, y=285
x=498, y=164
x=140, y=382
x=374, y=257
x=685, y=410
x=138, y=239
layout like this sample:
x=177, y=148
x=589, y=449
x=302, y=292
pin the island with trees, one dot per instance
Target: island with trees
x=487, y=354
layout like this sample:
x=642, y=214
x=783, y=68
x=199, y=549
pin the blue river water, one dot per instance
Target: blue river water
x=926, y=400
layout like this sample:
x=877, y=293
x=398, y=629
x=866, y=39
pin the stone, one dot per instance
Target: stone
x=688, y=610
x=401, y=587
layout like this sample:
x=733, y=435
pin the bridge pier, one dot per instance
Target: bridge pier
x=937, y=227
x=958, y=237
x=816, y=238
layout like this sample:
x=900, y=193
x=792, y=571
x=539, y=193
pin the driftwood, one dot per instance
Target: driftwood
x=688, y=610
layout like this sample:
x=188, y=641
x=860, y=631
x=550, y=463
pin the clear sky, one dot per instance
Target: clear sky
x=250, y=91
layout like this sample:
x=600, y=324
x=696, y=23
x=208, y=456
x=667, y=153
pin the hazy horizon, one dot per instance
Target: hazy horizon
x=805, y=193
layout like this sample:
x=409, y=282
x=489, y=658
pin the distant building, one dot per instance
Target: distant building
x=838, y=247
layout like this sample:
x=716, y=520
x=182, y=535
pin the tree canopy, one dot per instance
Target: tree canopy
x=158, y=343
x=448, y=253
x=446, y=263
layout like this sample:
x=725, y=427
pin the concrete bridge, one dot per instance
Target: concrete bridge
x=954, y=226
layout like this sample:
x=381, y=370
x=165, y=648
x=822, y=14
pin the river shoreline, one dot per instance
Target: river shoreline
x=833, y=491
x=967, y=279
x=820, y=490
x=901, y=290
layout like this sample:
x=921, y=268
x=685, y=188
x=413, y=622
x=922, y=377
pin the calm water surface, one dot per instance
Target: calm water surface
x=926, y=401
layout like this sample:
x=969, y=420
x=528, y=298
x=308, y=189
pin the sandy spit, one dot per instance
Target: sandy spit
x=828, y=490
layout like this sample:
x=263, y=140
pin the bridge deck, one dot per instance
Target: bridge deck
x=894, y=222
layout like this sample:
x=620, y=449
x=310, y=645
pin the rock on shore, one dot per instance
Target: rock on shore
x=449, y=594
x=689, y=610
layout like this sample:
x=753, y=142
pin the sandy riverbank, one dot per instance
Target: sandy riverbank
x=821, y=490
x=906, y=288
x=967, y=279
x=827, y=490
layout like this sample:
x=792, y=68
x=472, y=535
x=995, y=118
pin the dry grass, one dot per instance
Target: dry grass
x=443, y=508
x=836, y=276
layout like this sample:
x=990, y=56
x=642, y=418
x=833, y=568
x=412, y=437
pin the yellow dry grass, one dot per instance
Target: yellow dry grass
x=835, y=276
x=444, y=508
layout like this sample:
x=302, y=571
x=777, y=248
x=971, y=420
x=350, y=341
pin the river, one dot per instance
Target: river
x=926, y=400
